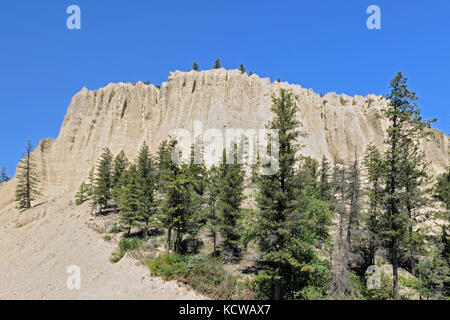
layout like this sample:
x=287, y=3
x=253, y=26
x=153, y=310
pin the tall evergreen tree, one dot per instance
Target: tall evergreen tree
x=442, y=188
x=355, y=206
x=324, y=182
x=217, y=64
x=374, y=167
x=146, y=171
x=340, y=286
x=212, y=197
x=104, y=179
x=120, y=165
x=195, y=66
x=4, y=175
x=241, y=68
x=291, y=221
x=198, y=174
x=175, y=181
x=129, y=200
x=404, y=169
x=231, y=188
x=27, y=189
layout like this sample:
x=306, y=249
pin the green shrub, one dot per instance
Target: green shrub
x=116, y=229
x=206, y=275
x=125, y=245
x=412, y=283
x=170, y=266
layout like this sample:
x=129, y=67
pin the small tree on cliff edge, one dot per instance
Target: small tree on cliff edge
x=27, y=186
x=4, y=175
x=217, y=64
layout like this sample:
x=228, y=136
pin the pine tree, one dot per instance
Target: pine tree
x=91, y=182
x=434, y=273
x=404, y=169
x=82, y=194
x=241, y=68
x=103, y=181
x=178, y=207
x=129, y=200
x=217, y=64
x=291, y=221
x=374, y=167
x=355, y=197
x=174, y=208
x=4, y=175
x=197, y=172
x=441, y=190
x=195, y=66
x=146, y=171
x=324, y=183
x=212, y=197
x=120, y=165
x=340, y=286
x=27, y=180
x=231, y=188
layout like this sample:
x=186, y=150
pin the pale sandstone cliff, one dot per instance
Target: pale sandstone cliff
x=122, y=116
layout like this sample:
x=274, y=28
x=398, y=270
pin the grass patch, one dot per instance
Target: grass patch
x=125, y=245
x=205, y=274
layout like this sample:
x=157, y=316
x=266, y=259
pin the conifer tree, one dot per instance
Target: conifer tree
x=82, y=194
x=91, y=182
x=27, y=180
x=175, y=182
x=340, y=286
x=129, y=199
x=291, y=221
x=404, y=170
x=324, y=183
x=441, y=190
x=198, y=173
x=146, y=171
x=373, y=164
x=4, y=175
x=355, y=197
x=241, y=68
x=195, y=66
x=217, y=64
x=231, y=188
x=178, y=203
x=212, y=197
x=119, y=166
x=103, y=180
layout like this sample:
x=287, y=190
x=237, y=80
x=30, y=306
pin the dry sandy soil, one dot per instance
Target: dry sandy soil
x=37, y=247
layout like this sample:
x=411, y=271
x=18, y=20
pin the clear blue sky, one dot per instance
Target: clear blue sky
x=320, y=44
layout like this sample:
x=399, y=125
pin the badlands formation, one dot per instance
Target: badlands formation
x=122, y=116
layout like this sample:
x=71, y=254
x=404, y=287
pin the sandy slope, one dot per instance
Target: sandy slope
x=37, y=247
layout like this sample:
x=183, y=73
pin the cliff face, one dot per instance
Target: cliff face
x=123, y=116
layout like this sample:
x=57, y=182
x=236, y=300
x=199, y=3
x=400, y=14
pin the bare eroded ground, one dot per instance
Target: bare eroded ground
x=37, y=247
